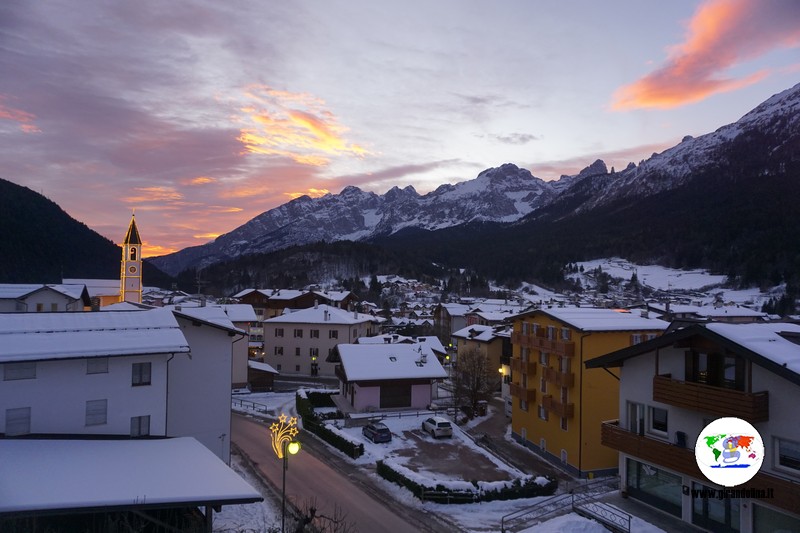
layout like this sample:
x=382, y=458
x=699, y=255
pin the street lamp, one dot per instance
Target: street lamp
x=282, y=444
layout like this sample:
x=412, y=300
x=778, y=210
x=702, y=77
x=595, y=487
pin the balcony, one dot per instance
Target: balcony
x=523, y=367
x=717, y=401
x=527, y=395
x=786, y=492
x=560, y=379
x=563, y=410
x=540, y=342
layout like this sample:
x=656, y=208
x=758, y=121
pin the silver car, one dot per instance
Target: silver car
x=437, y=427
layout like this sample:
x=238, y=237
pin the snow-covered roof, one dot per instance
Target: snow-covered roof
x=323, y=314
x=41, y=336
x=96, y=287
x=370, y=362
x=709, y=311
x=211, y=314
x=431, y=340
x=495, y=316
x=20, y=290
x=764, y=339
x=53, y=475
x=594, y=319
x=240, y=312
x=264, y=367
x=456, y=309
x=125, y=306
x=479, y=333
x=333, y=296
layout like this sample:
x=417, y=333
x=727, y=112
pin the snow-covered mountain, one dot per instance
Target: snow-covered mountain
x=504, y=194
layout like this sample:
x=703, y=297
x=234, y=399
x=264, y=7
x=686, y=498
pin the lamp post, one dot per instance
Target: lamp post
x=282, y=444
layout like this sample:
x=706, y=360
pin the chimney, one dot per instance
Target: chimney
x=645, y=313
x=423, y=358
x=316, y=303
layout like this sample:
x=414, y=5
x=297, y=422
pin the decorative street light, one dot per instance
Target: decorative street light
x=282, y=444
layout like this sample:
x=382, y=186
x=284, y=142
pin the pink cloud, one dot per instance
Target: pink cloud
x=24, y=118
x=720, y=35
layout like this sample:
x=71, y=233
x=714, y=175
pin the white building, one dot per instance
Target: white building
x=673, y=386
x=39, y=298
x=299, y=342
x=125, y=373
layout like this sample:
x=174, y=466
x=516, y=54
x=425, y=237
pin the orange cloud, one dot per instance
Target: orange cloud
x=24, y=118
x=293, y=125
x=313, y=193
x=199, y=180
x=154, y=194
x=720, y=35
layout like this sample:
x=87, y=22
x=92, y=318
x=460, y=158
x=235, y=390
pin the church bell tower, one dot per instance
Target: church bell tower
x=130, y=278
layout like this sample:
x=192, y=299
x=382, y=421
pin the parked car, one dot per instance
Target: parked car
x=377, y=432
x=437, y=427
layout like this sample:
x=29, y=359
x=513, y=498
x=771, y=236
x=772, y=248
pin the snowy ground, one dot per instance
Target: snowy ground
x=480, y=517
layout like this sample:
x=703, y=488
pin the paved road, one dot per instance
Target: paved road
x=311, y=476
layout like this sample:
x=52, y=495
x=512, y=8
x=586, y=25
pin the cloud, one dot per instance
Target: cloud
x=293, y=125
x=515, y=138
x=619, y=159
x=721, y=34
x=23, y=118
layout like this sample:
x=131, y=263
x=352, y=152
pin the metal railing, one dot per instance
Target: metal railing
x=249, y=405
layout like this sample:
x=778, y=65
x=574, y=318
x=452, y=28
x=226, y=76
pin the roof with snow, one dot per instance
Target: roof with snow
x=212, y=315
x=240, y=312
x=431, y=340
x=44, y=336
x=481, y=333
x=372, y=362
x=709, y=311
x=264, y=367
x=19, y=290
x=96, y=287
x=71, y=475
x=594, y=319
x=323, y=314
x=772, y=345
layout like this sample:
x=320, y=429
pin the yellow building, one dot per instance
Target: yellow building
x=558, y=405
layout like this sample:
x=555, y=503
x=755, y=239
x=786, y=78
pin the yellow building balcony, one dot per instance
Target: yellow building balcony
x=682, y=460
x=563, y=410
x=523, y=367
x=527, y=395
x=560, y=379
x=540, y=342
x=717, y=401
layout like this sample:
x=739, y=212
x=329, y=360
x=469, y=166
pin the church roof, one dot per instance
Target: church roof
x=132, y=237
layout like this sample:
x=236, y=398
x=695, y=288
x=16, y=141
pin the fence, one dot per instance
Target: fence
x=249, y=405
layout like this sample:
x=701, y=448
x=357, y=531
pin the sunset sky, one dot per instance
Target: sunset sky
x=201, y=115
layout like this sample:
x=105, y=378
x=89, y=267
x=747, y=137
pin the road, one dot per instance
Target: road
x=311, y=476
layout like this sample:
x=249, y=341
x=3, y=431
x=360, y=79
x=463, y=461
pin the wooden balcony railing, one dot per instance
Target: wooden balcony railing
x=717, y=401
x=561, y=379
x=564, y=410
x=538, y=342
x=785, y=492
x=517, y=391
x=524, y=367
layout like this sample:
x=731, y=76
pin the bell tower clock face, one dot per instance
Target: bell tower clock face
x=132, y=269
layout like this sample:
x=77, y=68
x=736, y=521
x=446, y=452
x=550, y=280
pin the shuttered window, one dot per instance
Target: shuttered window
x=18, y=421
x=140, y=426
x=12, y=371
x=97, y=365
x=96, y=412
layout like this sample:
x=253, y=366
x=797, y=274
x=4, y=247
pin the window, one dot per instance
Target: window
x=297, y=368
x=636, y=338
x=651, y=336
x=313, y=352
x=12, y=371
x=278, y=368
x=355, y=333
x=787, y=455
x=658, y=420
x=563, y=456
x=333, y=334
x=535, y=328
x=279, y=350
x=551, y=332
x=140, y=426
x=564, y=424
x=140, y=374
x=133, y=253
x=524, y=354
x=96, y=412
x=542, y=412
x=565, y=334
x=563, y=364
x=525, y=328
x=314, y=334
x=18, y=421
x=636, y=418
x=297, y=351
x=298, y=333
x=39, y=308
x=523, y=405
x=53, y=307
x=544, y=359
x=715, y=369
x=543, y=384
x=97, y=365
x=279, y=332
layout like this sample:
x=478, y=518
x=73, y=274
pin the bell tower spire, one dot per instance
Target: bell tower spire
x=130, y=278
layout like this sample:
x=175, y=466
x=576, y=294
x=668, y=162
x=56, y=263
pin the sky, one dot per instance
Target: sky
x=201, y=115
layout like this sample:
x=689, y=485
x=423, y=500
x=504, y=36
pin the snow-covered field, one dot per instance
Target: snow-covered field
x=480, y=517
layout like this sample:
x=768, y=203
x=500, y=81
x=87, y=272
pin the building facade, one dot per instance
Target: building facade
x=557, y=407
x=673, y=386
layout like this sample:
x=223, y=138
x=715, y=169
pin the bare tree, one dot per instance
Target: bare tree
x=310, y=519
x=473, y=380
